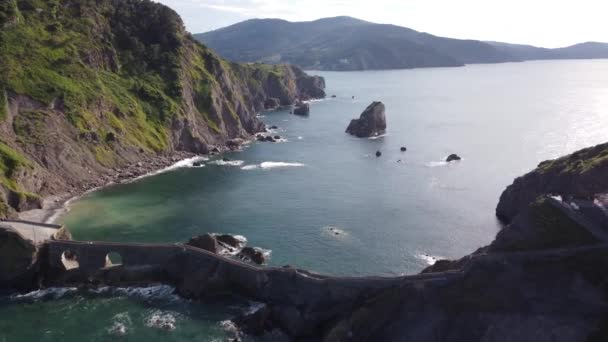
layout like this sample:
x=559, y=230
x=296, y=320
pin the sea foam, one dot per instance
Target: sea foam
x=220, y=162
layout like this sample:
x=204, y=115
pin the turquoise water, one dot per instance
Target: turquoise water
x=502, y=119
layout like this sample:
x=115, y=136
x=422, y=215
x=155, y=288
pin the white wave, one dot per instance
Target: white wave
x=274, y=165
x=158, y=292
x=254, y=307
x=188, y=162
x=121, y=324
x=334, y=231
x=250, y=167
x=436, y=163
x=378, y=136
x=161, y=320
x=300, y=138
x=428, y=259
x=221, y=162
x=230, y=327
x=49, y=293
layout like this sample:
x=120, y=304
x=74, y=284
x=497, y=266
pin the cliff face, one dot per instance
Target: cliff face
x=90, y=86
x=580, y=174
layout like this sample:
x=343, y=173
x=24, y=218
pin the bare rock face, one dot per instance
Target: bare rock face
x=206, y=242
x=371, y=123
x=17, y=259
x=302, y=109
x=253, y=254
x=581, y=174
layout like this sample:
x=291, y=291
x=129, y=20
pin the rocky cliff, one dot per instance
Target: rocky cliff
x=580, y=174
x=88, y=87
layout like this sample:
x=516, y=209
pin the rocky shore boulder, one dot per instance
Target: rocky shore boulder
x=372, y=122
x=302, y=108
x=253, y=254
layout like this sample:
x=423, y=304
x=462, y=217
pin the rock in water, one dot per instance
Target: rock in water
x=230, y=240
x=453, y=157
x=371, y=123
x=403, y=149
x=206, y=242
x=378, y=153
x=254, y=255
x=302, y=109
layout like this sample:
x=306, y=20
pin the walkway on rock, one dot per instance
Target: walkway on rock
x=34, y=231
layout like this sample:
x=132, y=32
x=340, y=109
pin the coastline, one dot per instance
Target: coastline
x=55, y=205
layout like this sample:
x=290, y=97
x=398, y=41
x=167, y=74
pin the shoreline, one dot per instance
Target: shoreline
x=55, y=205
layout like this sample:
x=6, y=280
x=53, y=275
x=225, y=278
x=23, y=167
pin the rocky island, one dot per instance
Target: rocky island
x=372, y=122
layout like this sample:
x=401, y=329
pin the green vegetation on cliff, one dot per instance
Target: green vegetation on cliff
x=90, y=85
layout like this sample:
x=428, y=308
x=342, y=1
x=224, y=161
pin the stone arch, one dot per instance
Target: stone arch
x=114, y=259
x=69, y=259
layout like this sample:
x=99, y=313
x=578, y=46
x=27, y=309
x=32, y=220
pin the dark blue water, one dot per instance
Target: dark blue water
x=502, y=119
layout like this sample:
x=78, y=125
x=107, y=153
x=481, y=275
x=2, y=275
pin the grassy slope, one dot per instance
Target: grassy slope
x=114, y=68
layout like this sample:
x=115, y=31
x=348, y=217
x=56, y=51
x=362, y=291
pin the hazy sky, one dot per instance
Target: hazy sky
x=539, y=22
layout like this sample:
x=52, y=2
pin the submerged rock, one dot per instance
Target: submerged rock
x=277, y=137
x=403, y=149
x=453, y=157
x=378, y=153
x=372, y=122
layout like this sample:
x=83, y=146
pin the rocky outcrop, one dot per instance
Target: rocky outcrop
x=372, y=122
x=206, y=242
x=580, y=174
x=17, y=260
x=253, y=254
x=453, y=157
x=302, y=108
x=144, y=88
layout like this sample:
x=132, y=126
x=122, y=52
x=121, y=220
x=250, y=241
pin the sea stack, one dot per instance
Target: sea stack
x=372, y=122
x=302, y=108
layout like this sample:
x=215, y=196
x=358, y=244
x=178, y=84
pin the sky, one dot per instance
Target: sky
x=543, y=23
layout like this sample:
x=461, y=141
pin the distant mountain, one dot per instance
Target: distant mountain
x=345, y=43
x=588, y=50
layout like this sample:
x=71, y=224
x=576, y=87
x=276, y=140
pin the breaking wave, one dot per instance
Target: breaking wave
x=221, y=162
x=428, y=259
x=274, y=165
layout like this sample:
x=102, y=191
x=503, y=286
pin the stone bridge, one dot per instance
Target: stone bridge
x=298, y=301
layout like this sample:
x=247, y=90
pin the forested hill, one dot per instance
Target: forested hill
x=345, y=43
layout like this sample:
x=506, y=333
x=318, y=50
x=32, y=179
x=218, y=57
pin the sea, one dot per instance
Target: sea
x=320, y=199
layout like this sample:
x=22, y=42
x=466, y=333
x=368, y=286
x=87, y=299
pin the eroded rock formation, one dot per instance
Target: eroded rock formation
x=372, y=122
